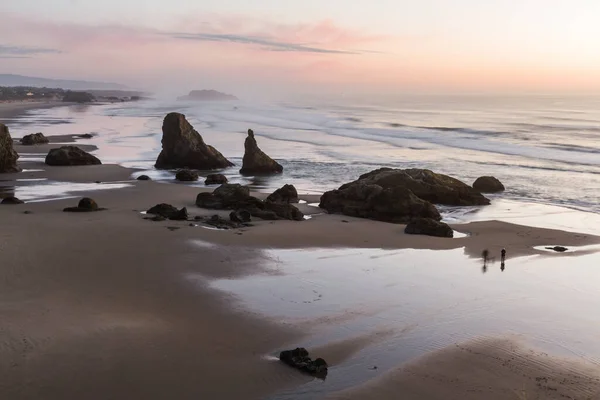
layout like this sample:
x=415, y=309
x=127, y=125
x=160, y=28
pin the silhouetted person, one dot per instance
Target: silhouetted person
x=485, y=254
x=502, y=267
x=484, y=268
x=503, y=256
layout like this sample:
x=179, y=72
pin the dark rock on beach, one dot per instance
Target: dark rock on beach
x=85, y=136
x=70, y=155
x=285, y=194
x=488, y=184
x=8, y=155
x=558, y=249
x=215, y=179
x=85, y=205
x=143, y=178
x=235, y=197
x=398, y=196
x=186, y=175
x=364, y=200
x=299, y=359
x=34, y=138
x=11, y=200
x=240, y=216
x=255, y=161
x=183, y=147
x=221, y=223
x=169, y=212
x=429, y=227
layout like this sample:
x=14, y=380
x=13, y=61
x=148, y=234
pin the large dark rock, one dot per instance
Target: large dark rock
x=300, y=359
x=255, y=161
x=232, y=194
x=215, y=179
x=11, y=200
x=183, y=147
x=284, y=211
x=364, y=200
x=78, y=97
x=429, y=227
x=70, y=155
x=34, y=138
x=169, y=212
x=285, y=194
x=85, y=205
x=488, y=184
x=427, y=185
x=8, y=155
x=240, y=216
x=186, y=175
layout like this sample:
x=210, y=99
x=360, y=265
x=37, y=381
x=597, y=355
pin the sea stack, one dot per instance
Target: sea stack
x=183, y=147
x=8, y=155
x=256, y=162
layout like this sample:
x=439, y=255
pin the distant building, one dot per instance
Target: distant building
x=29, y=94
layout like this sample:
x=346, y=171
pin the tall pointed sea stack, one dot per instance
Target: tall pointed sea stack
x=256, y=162
x=183, y=147
x=8, y=155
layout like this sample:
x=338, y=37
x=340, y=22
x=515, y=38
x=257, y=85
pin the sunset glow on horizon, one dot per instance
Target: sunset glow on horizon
x=463, y=45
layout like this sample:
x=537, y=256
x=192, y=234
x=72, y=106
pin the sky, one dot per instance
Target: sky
x=289, y=46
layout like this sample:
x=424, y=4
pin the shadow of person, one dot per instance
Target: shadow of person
x=502, y=267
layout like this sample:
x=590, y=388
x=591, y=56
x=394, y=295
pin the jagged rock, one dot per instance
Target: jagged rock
x=364, y=200
x=183, y=147
x=8, y=155
x=186, y=175
x=300, y=359
x=558, y=249
x=11, y=200
x=34, y=138
x=85, y=205
x=70, y=155
x=285, y=194
x=143, y=178
x=240, y=216
x=215, y=179
x=429, y=227
x=488, y=184
x=255, y=161
x=168, y=211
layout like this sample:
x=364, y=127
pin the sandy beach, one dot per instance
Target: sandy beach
x=96, y=305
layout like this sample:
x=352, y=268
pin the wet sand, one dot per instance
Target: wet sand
x=492, y=368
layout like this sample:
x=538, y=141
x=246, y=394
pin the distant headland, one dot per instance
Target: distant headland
x=207, y=95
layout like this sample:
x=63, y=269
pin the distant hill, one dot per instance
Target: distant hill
x=207, y=95
x=20, y=80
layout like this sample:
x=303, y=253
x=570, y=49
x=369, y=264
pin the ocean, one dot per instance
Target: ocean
x=545, y=149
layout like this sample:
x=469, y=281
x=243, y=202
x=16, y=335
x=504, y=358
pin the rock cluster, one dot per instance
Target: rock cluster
x=70, y=155
x=183, y=147
x=299, y=359
x=8, y=155
x=33, y=139
x=237, y=197
x=255, y=161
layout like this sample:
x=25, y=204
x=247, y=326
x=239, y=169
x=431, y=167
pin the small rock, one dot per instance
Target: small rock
x=240, y=216
x=173, y=228
x=285, y=194
x=143, y=178
x=215, y=179
x=299, y=359
x=186, y=175
x=11, y=200
x=488, y=184
x=168, y=211
x=34, y=138
x=27, y=212
x=70, y=155
x=85, y=205
x=429, y=227
x=558, y=249
x=85, y=136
